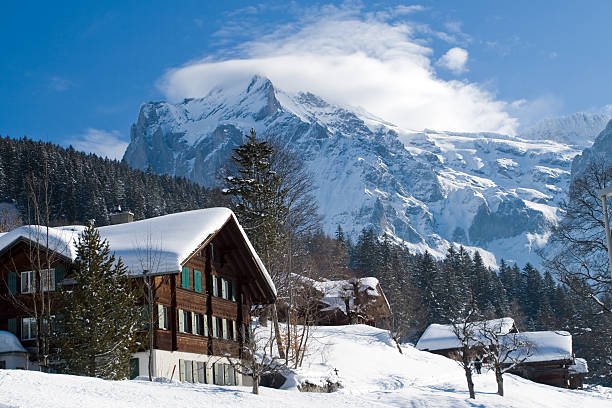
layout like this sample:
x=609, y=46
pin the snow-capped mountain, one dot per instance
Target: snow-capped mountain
x=576, y=129
x=600, y=151
x=427, y=189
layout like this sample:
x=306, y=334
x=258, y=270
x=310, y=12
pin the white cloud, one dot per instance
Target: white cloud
x=101, y=142
x=454, y=60
x=348, y=57
x=59, y=84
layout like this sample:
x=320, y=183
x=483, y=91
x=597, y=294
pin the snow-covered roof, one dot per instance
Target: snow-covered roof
x=442, y=336
x=9, y=343
x=160, y=244
x=334, y=291
x=549, y=345
x=580, y=366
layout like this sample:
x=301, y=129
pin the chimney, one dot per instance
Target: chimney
x=120, y=217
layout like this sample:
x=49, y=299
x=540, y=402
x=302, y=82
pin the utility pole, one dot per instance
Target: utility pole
x=604, y=194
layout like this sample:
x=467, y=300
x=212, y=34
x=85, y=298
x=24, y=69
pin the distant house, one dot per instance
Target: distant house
x=351, y=301
x=550, y=362
x=12, y=353
x=441, y=339
x=208, y=275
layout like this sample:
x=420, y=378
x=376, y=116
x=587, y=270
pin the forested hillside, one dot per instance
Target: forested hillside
x=84, y=186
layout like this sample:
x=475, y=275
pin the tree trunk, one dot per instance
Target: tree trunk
x=500, y=381
x=256, y=384
x=468, y=375
x=279, y=341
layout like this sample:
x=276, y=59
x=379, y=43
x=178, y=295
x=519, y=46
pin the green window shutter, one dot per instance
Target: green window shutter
x=12, y=283
x=185, y=278
x=12, y=325
x=59, y=276
x=134, y=368
x=197, y=280
x=233, y=291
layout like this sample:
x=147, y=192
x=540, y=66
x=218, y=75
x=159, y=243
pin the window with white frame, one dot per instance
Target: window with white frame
x=184, y=321
x=196, y=324
x=162, y=317
x=28, y=328
x=29, y=281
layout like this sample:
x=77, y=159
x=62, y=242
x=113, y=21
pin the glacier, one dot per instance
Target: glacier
x=426, y=189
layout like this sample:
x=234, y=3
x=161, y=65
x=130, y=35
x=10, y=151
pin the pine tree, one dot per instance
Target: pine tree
x=98, y=316
x=257, y=193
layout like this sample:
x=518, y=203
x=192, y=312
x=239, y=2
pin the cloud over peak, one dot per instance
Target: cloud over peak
x=378, y=61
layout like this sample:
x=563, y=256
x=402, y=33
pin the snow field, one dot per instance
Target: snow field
x=373, y=373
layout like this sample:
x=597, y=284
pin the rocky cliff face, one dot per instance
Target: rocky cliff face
x=601, y=151
x=425, y=189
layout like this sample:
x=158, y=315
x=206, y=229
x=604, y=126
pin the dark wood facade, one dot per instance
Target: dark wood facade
x=224, y=255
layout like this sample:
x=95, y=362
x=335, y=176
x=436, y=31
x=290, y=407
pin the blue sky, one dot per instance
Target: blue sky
x=77, y=72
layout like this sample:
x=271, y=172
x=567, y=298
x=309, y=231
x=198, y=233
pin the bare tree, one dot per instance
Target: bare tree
x=464, y=326
x=43, y=251
x=258, y=358
x=503, y=351
x=9, y=217
x=149, y=254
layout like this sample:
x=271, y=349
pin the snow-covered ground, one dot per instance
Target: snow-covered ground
x=373, y=372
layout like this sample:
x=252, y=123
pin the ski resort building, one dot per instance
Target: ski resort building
x=207, y=278
x=550, y=359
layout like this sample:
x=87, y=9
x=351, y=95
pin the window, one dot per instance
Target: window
x=28, y=328
x=196, y=324
x=185, y=278
x=224, y=328
x=214, y=326
x=2, y=365
x=219, y=374
x=28, y=281
x=197, y=281
x=233, y=291
x=215, y=288
x=205, y=324
x=201, y=367
x=184, y=321
x=188, y=370
x=162, y=317
x=223, y=288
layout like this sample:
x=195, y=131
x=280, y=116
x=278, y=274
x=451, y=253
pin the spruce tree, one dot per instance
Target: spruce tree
x=99, y=317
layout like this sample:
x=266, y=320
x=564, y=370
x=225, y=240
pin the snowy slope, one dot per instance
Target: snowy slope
x=426, y=189
x=371, y=369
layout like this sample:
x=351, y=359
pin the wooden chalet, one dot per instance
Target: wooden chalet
x=350, y=301
x=207, y=277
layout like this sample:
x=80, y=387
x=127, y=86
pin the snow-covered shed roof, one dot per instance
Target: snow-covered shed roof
x=549, y=345
x=9, y=343
x=580, y=366
x=170, y=239
x=442, y=336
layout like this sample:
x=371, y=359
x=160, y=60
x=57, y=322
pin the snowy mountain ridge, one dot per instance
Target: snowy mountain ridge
x=425, y=189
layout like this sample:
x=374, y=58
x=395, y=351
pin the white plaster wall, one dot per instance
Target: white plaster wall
x=15, y=360
x=164, y=362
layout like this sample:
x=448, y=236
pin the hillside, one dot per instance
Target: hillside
x=84, y=186
x=426, y=189
x=374, y=374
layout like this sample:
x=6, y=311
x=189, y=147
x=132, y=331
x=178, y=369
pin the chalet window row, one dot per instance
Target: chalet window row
x=196, y=323
x=207, y=373
x=221, y=287
x=50, y=279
